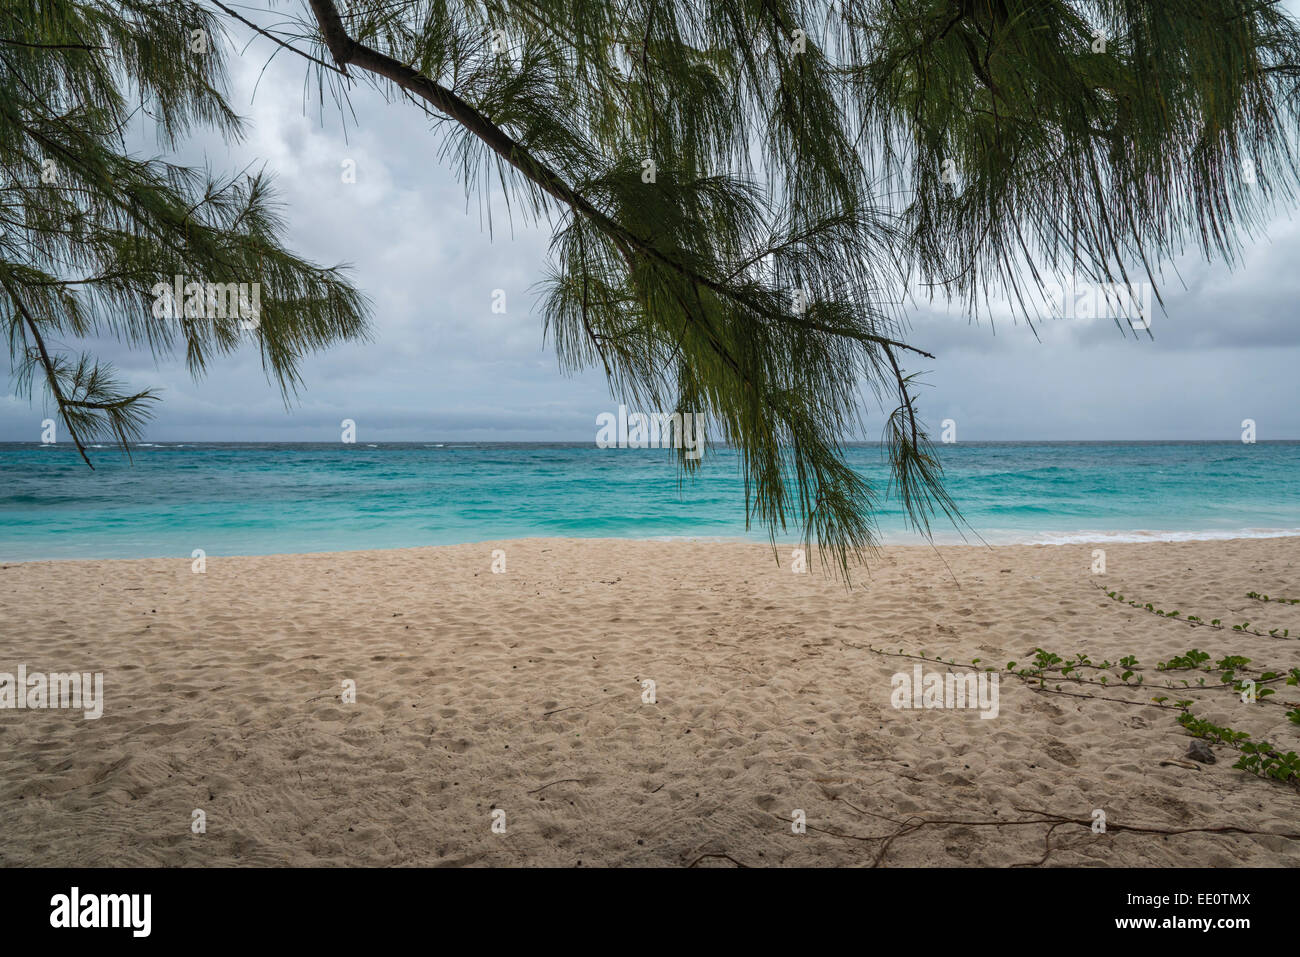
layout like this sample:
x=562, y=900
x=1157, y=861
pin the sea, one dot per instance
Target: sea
x=229, y=498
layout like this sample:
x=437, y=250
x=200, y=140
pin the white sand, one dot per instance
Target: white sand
x=479, y=690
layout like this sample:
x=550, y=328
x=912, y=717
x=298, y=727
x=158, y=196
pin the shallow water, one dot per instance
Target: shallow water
x=232, y=498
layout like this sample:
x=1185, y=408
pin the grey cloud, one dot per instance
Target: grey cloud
x=443, y=366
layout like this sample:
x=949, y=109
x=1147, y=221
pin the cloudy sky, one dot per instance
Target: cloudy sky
x=443, y=366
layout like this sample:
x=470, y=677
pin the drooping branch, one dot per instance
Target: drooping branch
x=51, y=373
x=87, y=242
x=273, y=38
x=348, y=52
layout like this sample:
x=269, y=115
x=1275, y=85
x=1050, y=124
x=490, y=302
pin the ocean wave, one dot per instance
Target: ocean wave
x=1149, y=535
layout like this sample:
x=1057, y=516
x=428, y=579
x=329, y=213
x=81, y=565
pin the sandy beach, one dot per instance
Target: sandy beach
x=523, y=692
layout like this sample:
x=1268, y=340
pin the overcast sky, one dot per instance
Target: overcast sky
x=443, y=366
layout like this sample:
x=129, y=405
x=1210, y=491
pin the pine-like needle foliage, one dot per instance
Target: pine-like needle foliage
x=741, y=189
x=90, y=230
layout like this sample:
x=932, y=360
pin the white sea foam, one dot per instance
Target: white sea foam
x=1150, y=535
x=1012, y=537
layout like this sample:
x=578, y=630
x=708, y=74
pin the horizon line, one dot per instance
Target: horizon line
x=583, y=442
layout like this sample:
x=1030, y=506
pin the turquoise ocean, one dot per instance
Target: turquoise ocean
x=265, y=498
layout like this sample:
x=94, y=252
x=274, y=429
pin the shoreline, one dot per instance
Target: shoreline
x=1119, y=538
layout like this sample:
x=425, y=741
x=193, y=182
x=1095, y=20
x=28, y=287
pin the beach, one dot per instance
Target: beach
x=508, y=718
